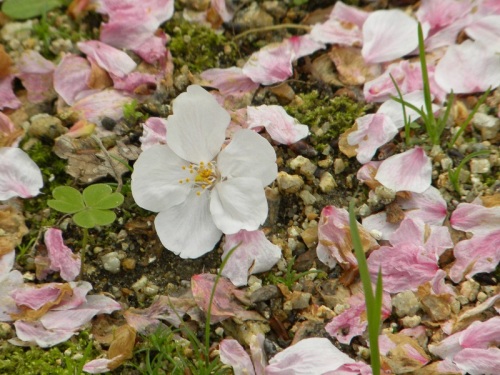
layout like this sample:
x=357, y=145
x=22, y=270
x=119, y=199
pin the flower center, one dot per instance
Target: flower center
x=205, y=176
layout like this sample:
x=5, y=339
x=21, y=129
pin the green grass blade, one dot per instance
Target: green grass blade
x=431, y=121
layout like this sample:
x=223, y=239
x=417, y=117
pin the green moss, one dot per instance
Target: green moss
x=199, y=47
x=333, y=115
x=53, y=361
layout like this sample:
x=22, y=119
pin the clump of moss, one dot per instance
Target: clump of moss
x=326, y=117
x=63, y=359
x=199, y=47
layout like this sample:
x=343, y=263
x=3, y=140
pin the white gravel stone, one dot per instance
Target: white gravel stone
x=480, y=166
x=111, y=262
x=289, y=183
x=405, y=304
x=327, y=182
x=486, y=124
x=304, y=166
x=470, y=289
x=307, y=197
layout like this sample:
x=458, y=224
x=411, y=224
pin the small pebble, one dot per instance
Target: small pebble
x=111, y=262
x=327, y=182
x=469, y=289
x=289, y=183
x=480, y=166
x=405, y=304
x=304, y=166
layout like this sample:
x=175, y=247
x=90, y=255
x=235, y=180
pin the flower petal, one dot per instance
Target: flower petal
x=109, y=58
x=61, y=257
x=240, y=159
x=270, y=64
x=408, y=171
x=230, y=81
x=154, y=132
x=254, y=254
x=233, y=354
x=156, y=179
x=388, y=35
x=187, y=229
x=474, y=218
x=71, y=76
x=197, y=128
x=19, y=175
x=237, y=204
x=7, y=97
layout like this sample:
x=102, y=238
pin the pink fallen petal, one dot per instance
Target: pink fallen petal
x=7, y=128
x=233, y=354
x=481, y=335
x=474, y=218
x=408, y=171
x=254, y=254
x=439, y=286
x=309, y=356
x=67, y=320
x=468, y=68
x=35, y=298
x=71, y=77
x=102, y=304
x=271, y=64
x=9, y=281
x=134, y=81
x=373, y=131
x=61, y=257
x=230, y=81
x=36, y=73
x=98, y=366
x=334, y=238
x=169, y=309
x=303, y=45
x=223, y=304
x=479, y=254
x=154, y=132
x=106, y=103
x=222, y=10
x=439, y=14
x=404, y=267
x=34, y=332
x=408, y=77
x=282, y=127
x=334, y=31
x=378, y=225
x=479, y=361
x=19, y=175
x=258, y=353
x=352, y=321
x=153, y=49
x=110, y=59
x=429, y=206
x=7, y=97
x=77, y=298
x=487, y=31
x=348, y=13
x=6, y=264
x=388, y=35
x=434, y=239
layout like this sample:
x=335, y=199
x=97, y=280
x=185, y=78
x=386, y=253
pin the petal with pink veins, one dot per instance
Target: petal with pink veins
x=468, y=68
x=154, y=132
x=19, y=175
x=254, y=253
x=388, y=35
x=474, y=218
x=373, y=131
x=71, y=77
x=233, y=354
x=303, y=45
x=229, y=81
x=36, y=73
x=439, y=14
x=108, y=58
x=271, y=64
x=334, y=31
x=106, y=103
x=61, y=257
x=429, y=206
x=153, y=49
x=475, y=361
x=34, y=332
x=282, y=127
x=223, y=304
x=135, y=80
x=479, y=254
x=348, y=13
x=408, y=171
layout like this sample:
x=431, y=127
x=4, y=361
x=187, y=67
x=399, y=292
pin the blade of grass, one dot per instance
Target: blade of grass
x=405, y=118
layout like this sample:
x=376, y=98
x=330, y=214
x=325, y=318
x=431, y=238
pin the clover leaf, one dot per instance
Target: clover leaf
x=89, y=209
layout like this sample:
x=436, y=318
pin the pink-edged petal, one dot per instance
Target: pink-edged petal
x=429, y=206
x=154, y=132
x=334, y=31
x=479, y=361
x=408, y=171
x=474, y=218
x=229, y=81
x=303, y=45
x=258, y=353
x=222, y=10
x=188, y=229
x=388, y=35
x=239, y=159
x=373, y=131
x=61, y=257
x=272, y=64
x=98, y=366
x=128, y=29
x=309, y=356
x=481, y=335
x=468, y=68
x=233, y=354
x=282, y=127
x=35, y=298
x=131, y=82
x=77, y=298
x=479, y=254
x=348, y=13
x=67, y=320
x=71, y=77
x=19, y=175
x=378, y=224
x=404, y=267
x=102, y=304
x=254, y=254
x=153, y=49
x=487, y=31
x=106, y=103
x=238, y=203
x=196, y=130
x=439, y=14
x=159, y=179
x=108, y=58
x=34, y=332
x=36, y=73
x=6, y=264
x=7, y=97
x=448, y=347
x=439, y=286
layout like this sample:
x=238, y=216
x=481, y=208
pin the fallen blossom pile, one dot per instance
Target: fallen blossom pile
x=224, y=162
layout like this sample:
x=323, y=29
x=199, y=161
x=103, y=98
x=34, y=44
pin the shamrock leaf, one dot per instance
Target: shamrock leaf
x=91, y=208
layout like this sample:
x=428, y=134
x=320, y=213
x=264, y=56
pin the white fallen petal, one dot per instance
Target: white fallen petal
x=408, y=171
x=474, y=218
x=108, y=58
x=19, y=175
x=233, y=354
x=34, y=332
x=272, y=64
x=487, y=31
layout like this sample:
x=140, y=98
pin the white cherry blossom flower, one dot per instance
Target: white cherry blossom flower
x=199, y=190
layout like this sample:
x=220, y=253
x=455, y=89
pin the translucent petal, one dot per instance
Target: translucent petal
x=19, y=175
